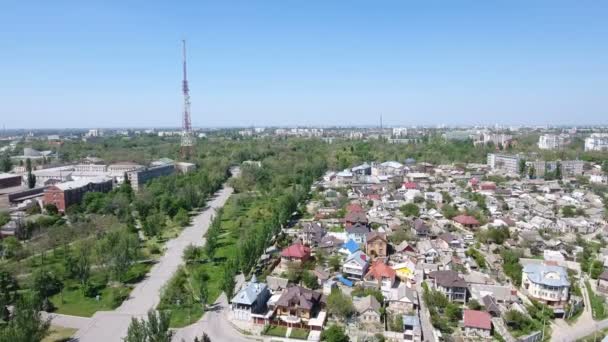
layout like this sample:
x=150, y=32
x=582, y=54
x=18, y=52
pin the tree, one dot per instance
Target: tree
x=191, y=253
x=26, y=324
x=31, y=178
x=11, y=247
x=340, y=305
x=473, y=304
x=51, y=209
x=203, y=294
x=7, y=163
x=605, y=166
x=204, y=338
x=411, y=210
x=8, y=293
x=334, y=333
x=310, y=280
x=522, y=166
x=45, y=283
x=532, y=172
x=181, y=218
x=155, y=329
x=335, y=262
x=136, y=331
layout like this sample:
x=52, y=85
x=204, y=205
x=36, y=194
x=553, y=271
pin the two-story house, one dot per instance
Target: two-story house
x=355, y=266
x=312, y=233
x=357, y=232
x=251, y=299
x=299, y=302
x=450, y=284
x=546, y=283
x=380, y=276
x=376, y=244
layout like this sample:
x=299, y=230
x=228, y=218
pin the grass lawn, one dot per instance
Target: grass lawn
x=212, y=269
x=59, y=334
x=276, y=330
x=598, y=303
x=73, y=302
x=301, y=334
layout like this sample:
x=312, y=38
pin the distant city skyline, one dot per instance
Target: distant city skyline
x=71, y=64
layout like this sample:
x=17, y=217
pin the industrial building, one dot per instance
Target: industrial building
x=63, y=195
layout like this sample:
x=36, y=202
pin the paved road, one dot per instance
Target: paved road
x=214, y=323
x=428, y=331
x=584, y=325
x=113, y=325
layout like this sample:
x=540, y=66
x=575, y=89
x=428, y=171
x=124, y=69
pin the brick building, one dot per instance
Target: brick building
x=62, y=195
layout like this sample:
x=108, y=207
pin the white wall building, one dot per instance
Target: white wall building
x=546, y=283
x=551, y=141
x=597, y=142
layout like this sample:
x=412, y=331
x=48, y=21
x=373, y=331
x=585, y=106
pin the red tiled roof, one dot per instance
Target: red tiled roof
x=488, y=186
x=474, y=181
x=410, y=185
x=380, y=270
x=354, y=208
x=296, y=251
x=477, y=319
x=466, y=220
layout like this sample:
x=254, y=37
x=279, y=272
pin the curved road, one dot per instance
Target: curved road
x=106, y=326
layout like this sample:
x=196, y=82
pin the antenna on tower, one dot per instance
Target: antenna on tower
x=187, y=142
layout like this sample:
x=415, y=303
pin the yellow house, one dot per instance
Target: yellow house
x=405, y=270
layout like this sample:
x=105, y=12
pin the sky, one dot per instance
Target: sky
x=77, y=64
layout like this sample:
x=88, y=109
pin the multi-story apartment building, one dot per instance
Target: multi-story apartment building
x=498, y=139
x=505, y=162
x=551, y=141
x=597, y=142
x=546, y=283
x=139, y=177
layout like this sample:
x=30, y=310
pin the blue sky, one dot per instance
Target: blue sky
x=117, y=63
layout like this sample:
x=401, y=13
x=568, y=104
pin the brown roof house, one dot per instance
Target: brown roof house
x=450, y=284
x=376, y=245
x=602, y=282
x=298, y=304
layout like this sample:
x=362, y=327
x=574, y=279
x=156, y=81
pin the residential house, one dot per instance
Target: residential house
x=602, y=282
x=355, y=266
x=405, y=270
x=448, y=242
x=427, y=251
x=450, y=284
x=477, y=324
x=466, y=221
x=349, y=247
x=412, y=330
x=357, y=232
x=312, y=233
x=546, y=283
x=299, y=302
x=251, y=299
x=368, y=310
x=420, y=228
x=380, y=276
x=296, y=253
x=376, y=244
x=402, y=300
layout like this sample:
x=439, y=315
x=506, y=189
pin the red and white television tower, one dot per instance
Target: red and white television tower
x=187, y=143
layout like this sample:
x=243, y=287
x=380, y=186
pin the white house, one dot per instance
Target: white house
x=546, y=283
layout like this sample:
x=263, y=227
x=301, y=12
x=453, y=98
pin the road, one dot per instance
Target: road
x=584, y=325
x=107, y=326
x=214, y=323
x=428, y=332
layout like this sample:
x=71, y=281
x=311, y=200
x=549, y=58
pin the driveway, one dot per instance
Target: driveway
x=107, y=326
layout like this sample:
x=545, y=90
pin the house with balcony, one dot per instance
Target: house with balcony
x=546, y=283
x=355, y=266
x=380, y=276
x=450, y=284
x=251, y=299
x=298, y=305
